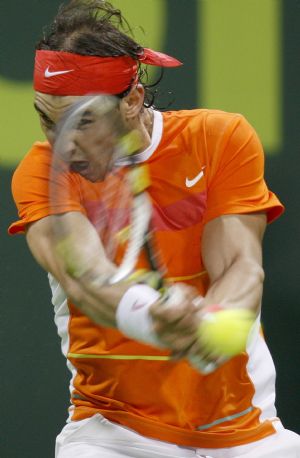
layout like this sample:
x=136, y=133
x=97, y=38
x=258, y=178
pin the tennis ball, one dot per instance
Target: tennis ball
x=65, y=248
x=225, y=332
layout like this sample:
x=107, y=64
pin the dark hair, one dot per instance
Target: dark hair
x=95, y=28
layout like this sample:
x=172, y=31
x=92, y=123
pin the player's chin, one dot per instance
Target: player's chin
x=100, y=175
x=93, y=175
x=94, y=178
x=96, y=174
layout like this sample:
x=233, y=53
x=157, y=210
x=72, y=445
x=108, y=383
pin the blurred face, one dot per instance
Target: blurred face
x=50, y=108
x=88, y=149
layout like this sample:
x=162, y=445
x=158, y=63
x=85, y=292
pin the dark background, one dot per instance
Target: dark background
x=34, y=379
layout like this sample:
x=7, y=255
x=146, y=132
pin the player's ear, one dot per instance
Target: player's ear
x=132, y=104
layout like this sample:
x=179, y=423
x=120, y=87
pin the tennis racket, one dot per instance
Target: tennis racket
x=93, y=141
x=95, y=150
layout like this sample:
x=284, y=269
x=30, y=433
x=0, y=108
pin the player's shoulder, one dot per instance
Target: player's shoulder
x=218, y=121
x=38, y=154
x=36, y=161
x=211, y=120
x=38, y=151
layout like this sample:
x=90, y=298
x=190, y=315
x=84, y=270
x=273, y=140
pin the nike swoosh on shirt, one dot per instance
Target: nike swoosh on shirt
x=189, y=183
x=49, y=74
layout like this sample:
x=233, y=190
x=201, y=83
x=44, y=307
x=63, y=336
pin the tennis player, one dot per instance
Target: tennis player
x=211, y=207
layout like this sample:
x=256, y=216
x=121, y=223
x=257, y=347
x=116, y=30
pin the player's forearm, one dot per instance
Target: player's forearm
x=240, y=286
x=88, y=288
x=79, y=265
x=99, y=303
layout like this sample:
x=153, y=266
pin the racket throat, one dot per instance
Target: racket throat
x=139, y=224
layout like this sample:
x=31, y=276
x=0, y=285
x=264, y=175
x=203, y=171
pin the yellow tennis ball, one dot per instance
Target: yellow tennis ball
x=65, y=248
x=225, y=332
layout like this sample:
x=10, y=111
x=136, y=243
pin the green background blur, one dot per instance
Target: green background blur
x=239, y=55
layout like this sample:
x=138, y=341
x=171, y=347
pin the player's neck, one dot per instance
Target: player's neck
x=146, y=126
x=148, y=121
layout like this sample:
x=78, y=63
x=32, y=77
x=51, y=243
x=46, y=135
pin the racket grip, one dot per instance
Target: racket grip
x=201, y=365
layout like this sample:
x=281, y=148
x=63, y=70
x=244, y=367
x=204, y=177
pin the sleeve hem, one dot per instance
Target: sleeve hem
x=273, y=212
x=19, y=227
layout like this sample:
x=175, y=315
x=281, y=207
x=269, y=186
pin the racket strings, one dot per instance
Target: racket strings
x=113, y=216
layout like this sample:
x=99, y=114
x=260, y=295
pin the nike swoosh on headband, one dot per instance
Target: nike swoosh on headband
x=49, y=74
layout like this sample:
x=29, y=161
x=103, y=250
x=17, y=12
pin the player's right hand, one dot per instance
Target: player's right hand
x=176, y=319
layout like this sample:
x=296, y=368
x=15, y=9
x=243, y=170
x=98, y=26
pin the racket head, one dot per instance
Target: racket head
x=93, y=151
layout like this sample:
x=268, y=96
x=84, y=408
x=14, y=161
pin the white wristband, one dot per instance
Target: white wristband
x=133, y=317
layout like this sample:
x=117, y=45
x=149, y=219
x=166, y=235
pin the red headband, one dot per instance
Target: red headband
x=64, y=73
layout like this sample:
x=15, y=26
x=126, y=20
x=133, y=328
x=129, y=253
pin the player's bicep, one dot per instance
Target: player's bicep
x=39, y=236
x=82, y=243
x=232, y=238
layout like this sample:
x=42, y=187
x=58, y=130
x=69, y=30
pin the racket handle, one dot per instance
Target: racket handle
x=201, y=365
